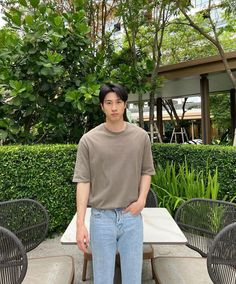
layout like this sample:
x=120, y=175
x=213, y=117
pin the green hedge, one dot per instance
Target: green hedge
x=222, y=157
x=44, y=173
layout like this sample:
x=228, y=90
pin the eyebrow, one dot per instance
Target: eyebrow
x=106, y=100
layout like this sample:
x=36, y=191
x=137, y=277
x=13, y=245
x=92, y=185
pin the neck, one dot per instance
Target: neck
x=117, y=126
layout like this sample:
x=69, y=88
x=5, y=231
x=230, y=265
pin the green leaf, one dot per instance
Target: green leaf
x=42, y=9
x=16, y=101
x=79, y=16
x=16, y=85
x=34, y=3
x=3, y=134
x=47, y=65
x=71, y=95
x=14, y=129
x=3, y=123
x=78, y=3
x=29, y=20
x=79, y=105
x=58, y=21
x=83, y=28
x=54, y=57
x=16, y=19
x=87, y=96
x=23, y=3
x=45, y=71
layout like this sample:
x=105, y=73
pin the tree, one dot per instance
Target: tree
x=182, y=43
x=50, y=92
x=220, y=110
x=130, y=71
x=144, y=24
x=209, y=27
x=162, y=11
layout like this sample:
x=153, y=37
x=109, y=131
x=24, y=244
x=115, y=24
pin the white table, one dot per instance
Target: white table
x=158, y=227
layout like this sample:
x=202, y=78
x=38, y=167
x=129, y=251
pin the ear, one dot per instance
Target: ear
x=102, y=107
x=125, y=104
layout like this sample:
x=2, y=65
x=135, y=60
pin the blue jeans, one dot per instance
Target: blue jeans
x=112, y=231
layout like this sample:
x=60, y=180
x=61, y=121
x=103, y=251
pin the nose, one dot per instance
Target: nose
x=114, y=107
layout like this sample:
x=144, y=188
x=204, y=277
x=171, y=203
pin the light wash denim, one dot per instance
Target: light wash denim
x=112, y=231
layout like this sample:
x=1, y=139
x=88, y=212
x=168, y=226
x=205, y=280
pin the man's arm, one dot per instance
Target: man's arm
x=82, y=195
x=136, y=207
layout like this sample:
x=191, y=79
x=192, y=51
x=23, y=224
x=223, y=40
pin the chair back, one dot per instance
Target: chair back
x=202, y=219
x=13, y=259
x=27, y=219
x=151, y=200
x=221, y=259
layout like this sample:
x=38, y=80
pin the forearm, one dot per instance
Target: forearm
x=144, y=187
x=82, y=236
x=82, y=195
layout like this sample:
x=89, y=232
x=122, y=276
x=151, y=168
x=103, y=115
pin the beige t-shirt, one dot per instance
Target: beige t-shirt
x=113, y=163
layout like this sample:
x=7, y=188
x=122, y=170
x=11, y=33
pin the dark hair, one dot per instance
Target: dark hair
x=116, y=88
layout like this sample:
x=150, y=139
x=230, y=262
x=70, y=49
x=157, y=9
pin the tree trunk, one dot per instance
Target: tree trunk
x=140, y=110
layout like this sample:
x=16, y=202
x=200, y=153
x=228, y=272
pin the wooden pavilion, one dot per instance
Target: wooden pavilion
x=198, y=77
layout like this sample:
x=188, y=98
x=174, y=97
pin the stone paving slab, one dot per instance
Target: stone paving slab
x=53, y=247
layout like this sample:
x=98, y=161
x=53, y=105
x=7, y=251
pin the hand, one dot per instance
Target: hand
x=82, y=238
x=135, y=208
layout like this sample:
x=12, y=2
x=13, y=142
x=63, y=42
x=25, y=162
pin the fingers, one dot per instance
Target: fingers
x=83, y=244
x=127, y=209
x=134, y=208
x=82, y=238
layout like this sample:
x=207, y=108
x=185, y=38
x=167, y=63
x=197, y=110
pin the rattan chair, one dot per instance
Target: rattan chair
x=13, y=259
x=200, y=220
x=27, y=219
x=23, y=226
x=221, y=259
x=148, y=252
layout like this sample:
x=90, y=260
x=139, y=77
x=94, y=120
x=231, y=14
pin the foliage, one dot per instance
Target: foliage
x=220, y=109
x=48, y=90
x=43, y=173
x=221, y=157
x=174, y=185
x=55, y=54
x=211, y=26
x=182, y=43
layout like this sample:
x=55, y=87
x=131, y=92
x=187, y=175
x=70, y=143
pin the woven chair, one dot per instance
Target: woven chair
x=221, y=259
x=13, y=259
x=27, y=219
x=23, y=226
x=200, y=220
x=148, y=252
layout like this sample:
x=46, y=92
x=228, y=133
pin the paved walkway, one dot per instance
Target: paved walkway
x=53, y=247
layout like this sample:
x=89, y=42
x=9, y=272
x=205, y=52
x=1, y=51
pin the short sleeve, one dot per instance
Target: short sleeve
x=82, y=167
x=147, y=162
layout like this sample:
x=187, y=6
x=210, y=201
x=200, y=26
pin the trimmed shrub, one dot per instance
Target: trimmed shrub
x=43, y=173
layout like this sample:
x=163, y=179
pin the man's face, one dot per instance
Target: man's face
x=113, y=107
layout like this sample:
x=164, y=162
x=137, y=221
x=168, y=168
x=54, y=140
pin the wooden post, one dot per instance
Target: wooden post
x=205, y=109
x=233, y=110
x=159, y=117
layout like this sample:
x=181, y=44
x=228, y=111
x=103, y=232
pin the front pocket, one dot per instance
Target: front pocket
x=96, y=212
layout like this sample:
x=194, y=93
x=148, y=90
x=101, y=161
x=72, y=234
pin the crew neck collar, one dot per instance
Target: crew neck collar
x=115, y=132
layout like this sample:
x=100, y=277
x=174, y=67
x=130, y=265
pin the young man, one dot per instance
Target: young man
x=113, y=168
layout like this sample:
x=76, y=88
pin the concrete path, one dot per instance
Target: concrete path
x=53, y=247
